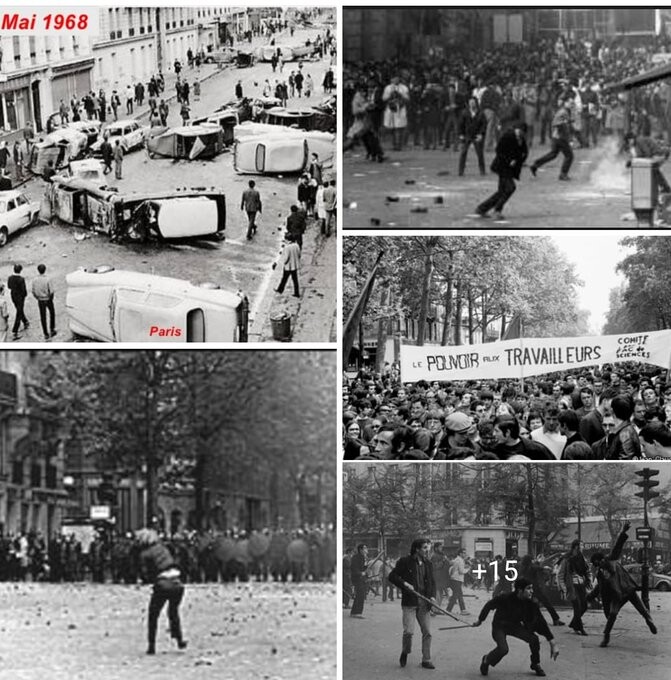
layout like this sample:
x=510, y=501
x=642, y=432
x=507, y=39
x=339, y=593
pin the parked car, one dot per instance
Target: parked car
x=226, y=55
x=656, y=581
x=270, y=154
x=17, y=212
x=177, y=214
x=190, y=142
x=111, y=305
x=129, y=133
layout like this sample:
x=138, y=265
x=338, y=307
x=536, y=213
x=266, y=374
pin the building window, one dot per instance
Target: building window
x=16, y=43
x=75, y=45
x=17, y=472
x=131, y=32
x=35, y=475
x=33, y=50
x=51, y=477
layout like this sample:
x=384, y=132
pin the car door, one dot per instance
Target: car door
x=13, y=216
x=22, y=211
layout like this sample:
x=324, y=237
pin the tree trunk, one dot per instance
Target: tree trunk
x=457, y=315
x=382, y=332
x=470, y=317
x=484, y=316
x=503, y=324
x=424, y=302
x=199, y=490
x=447, y=321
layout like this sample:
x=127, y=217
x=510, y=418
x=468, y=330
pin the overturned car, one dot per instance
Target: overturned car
x=190, y=142
x=177, y=214
x=111, y=305
x=270, y=155
x=56, y=150
x=248, y=133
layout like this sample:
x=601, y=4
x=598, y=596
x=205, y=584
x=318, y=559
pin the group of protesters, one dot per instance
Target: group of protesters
x=428, y=102
x=615, y=412
x=305, y=554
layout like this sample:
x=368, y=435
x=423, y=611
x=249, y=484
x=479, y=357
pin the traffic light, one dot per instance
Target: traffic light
x=647, y=484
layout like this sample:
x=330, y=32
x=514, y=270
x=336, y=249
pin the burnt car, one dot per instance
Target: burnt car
x=226, y=119
x=244, y=59
x=111, y=305
x=190, y=142
x=178, y=214
x=280, y=115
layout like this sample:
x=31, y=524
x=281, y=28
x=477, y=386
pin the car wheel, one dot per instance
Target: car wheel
x=4, y=234
x=663, y=586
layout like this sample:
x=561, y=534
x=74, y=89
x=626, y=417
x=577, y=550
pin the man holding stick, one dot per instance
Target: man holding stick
x=413, y=574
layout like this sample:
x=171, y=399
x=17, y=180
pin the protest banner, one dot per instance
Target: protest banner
x=525, y=357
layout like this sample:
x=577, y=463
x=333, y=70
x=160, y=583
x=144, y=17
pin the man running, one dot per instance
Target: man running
x=518, y=615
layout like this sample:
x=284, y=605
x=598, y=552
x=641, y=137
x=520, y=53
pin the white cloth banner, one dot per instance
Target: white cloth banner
x=524, y=357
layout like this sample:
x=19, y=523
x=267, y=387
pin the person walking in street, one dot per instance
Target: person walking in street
x=358, y=578
x=472, y=130
x=18, y=159
x=616, y=587
x=511, y=152
x=238, y=90
x=413, y=574
x=561, y=142
x=251, y=204
x=107, y=155
x=330, y=206
x=4, y=314
x=163, y=111
x=118, y=160
x=574, y=581
x=184, y=113
x=159, y=567
x=4, y=155
x=44, y=294
x=18, y=293
x=518, y=615
x=130, y=96
x=457, y=572
x=291, y=264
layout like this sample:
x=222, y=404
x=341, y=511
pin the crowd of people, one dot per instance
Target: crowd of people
x=202, y=557
x=426, y=577
x=426, y=102
x=615, y=412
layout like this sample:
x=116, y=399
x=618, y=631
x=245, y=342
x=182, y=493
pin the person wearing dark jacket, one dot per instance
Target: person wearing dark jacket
x=574, y=581
x=511, y=152
x=533, y=572
x=413, y=574
x=472, y=129
x=616, y=586
x=159, y=567
x=17, y=287
x=518, y=615
x=358, y=578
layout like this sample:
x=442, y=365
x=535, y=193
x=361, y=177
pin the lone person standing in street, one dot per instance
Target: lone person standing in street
x=158, y=566
x=358, y=578
x=17, y=288
x=413, y=574
x=251, y=204
x=44, y=294
x=118, y=160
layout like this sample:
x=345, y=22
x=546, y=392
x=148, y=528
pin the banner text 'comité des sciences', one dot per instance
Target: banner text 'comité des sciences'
x=524, y=357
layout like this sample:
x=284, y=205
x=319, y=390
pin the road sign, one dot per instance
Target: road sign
x=100, y=512
x=645, y=533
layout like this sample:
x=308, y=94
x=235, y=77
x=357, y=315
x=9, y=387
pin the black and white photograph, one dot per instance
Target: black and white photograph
x=166, y=171
x=506, y=117
x=168, y=514
x=506, y=347
x=507, y=570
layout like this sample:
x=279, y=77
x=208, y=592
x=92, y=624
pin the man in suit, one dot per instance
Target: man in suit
x=511, y=152
x=18, y=292
x=251, y=204
x=413, y=574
